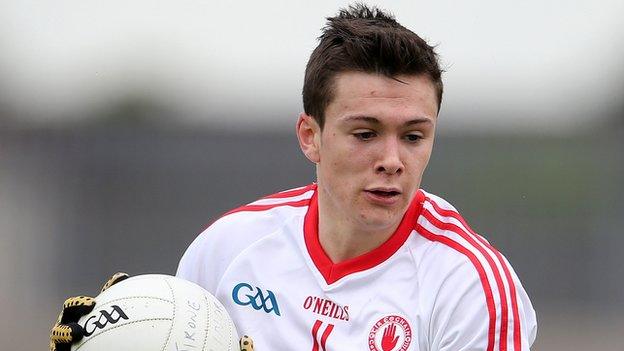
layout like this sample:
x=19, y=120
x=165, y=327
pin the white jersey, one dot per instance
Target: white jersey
x=434, y=285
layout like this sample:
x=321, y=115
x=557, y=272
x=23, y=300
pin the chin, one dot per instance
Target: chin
x=380, y=220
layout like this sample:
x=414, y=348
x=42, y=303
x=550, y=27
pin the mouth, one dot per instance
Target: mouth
x=387, y=193
x=383, y=196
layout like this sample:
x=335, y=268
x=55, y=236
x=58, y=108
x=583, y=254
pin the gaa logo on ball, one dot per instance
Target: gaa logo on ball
x=157, y=312
x=105, y=318
x=390, y=333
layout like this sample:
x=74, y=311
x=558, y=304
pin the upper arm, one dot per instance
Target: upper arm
x=460, y=318
x=194, y=264
x=469, y=314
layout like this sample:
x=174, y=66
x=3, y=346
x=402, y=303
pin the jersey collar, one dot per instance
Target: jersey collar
x=333, y=272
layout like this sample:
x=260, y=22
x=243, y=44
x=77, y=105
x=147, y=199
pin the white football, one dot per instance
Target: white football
x=155, y=312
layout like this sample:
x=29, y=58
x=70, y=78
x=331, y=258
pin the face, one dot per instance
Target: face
x=374, y=147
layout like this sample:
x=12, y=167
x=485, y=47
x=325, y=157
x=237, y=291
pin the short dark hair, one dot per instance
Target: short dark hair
x=368, y=40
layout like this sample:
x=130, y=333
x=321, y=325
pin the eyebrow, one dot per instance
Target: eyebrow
x=374, y=120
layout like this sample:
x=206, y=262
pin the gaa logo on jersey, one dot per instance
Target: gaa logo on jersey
x=245, y=295
x=390, y=333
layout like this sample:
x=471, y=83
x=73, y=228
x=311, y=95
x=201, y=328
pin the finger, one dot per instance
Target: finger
x=53, y=346
x=59, y=347
x=76, y=307
x=116, y=278
x=66, y=333
x=246, y=343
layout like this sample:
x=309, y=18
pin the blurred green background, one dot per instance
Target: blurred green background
x=78, y=205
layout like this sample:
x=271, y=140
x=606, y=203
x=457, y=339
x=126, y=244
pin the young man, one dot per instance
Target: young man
x=363, y=259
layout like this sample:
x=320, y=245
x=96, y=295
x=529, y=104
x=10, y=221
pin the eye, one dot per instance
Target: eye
x=413, y=138
x=367, y=135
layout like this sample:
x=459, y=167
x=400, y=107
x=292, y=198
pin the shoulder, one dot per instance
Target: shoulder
x=246, y=224
x=450, y=238
x=441, y=223
x=213, y=250
x=473, y=282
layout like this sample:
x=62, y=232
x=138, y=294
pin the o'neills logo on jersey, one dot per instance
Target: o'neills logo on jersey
x=390, y=333
x=326, y=308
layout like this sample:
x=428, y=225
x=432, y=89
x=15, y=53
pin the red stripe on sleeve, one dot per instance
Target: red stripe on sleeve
x=517, y=336
x=487, y=289
x=291, y=193
x=497, y=277
x=253, y=208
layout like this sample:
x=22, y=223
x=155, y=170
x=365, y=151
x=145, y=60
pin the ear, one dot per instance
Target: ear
x=309, y=135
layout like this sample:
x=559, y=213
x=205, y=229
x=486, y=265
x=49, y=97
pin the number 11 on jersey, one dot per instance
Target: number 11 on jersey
x=318, y=343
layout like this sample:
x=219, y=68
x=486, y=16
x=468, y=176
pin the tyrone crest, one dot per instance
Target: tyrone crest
x=390, y=333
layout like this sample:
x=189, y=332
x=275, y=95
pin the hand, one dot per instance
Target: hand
x=66, y=330
x=246, y=344
x=389, y=341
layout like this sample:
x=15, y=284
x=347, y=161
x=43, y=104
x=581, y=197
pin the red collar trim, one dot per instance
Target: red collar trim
x=333, y=272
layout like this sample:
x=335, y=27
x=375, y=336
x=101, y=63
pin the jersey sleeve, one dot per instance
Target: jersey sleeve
x=208, y=257
x=478, y=301
x=195, y=265
x=465, y=318
x=210, y=254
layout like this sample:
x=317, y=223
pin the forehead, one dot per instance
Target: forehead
x=377, y=95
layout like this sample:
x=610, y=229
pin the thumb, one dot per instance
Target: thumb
x=246, y=343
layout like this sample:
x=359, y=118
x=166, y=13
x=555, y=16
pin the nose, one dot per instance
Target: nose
x=389, y=160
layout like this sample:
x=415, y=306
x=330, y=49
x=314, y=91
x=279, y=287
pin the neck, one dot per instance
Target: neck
x=343, y=239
